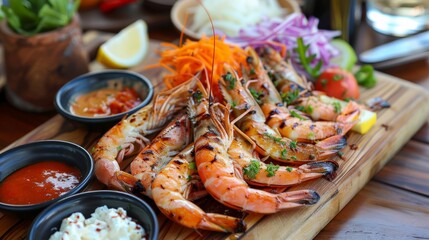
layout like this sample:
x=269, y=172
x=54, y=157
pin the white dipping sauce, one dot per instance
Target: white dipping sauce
x=104, y=223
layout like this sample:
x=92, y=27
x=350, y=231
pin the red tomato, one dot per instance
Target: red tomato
x=338, y=83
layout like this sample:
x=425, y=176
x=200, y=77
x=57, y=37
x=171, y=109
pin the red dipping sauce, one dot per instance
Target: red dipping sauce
x=39, y=182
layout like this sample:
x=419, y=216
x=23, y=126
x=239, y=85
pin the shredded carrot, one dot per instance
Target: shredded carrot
x=192, y=57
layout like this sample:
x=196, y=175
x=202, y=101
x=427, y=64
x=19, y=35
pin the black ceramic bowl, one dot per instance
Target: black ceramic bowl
x=113, y=79
x=49, y=220
x=55, y=150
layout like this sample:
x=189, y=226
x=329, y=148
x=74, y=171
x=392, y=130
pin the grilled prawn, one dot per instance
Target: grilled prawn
x=167, y=144
x=258, y=173
x=290, y=123
x=216, y=169
x=172, y=188
x=130, y=134
x=268, y=141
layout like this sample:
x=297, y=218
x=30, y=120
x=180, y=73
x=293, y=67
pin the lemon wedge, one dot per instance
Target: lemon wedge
x=127, y=48
x=367, y=118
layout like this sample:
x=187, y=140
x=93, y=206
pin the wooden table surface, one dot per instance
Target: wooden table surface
x=393, y=205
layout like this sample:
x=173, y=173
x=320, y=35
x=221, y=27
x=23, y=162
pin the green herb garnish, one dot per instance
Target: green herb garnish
x=290, y=97
x=252, y=71
x=233, y=104
x=283, y=154
x=311, y=135
x=252, y=169
x=305, y=60
x=293, y=144
x=295, y=114
x=337, y=106
x=192, y=166
x=198, y=96
x=230, y=80
x=256, y=95
x=274, y=138
x=272, y=169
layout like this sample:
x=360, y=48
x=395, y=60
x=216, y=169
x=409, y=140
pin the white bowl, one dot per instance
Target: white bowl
x=181, y=8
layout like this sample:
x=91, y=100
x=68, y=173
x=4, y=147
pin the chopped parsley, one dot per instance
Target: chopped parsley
x=311, y=135
x=307, y=109
x=230, y=80
x=292, y=145
x=290, y=97
x=189, y=178
x=295, y=114
x=294, y=158
x=273, y=78
x=272, y=169
x=276, y=139
x=233, y=104
x=337, y=106
x=289, y=169
x=198, y=95
x=300, y=108
x=256, y=95
x=283, y=154
x=252, y=169
x=119, y=148
x=192, y=166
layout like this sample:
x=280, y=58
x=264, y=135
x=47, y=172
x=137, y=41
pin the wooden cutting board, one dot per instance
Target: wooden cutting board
x=395, y=126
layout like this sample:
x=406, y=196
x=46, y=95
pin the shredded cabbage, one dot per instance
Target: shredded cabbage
x=286, y=31
x=229, y=16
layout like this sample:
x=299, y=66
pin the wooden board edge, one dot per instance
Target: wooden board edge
x=361, y=175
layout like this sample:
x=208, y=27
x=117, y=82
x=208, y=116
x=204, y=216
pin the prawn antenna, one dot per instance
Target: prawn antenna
x=214, y=51
x=182, y=32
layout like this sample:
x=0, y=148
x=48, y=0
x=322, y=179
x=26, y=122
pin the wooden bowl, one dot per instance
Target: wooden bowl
x=181, y=7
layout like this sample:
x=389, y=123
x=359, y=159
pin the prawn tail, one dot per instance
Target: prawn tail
x=328, y=169
x=298, y=198
x=331, y=145
x=222, y=223
x=128, y=182
x=104, y=170
x=349, y=116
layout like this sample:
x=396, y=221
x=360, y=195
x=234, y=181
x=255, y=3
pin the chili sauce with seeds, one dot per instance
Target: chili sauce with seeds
x=39, y=182
x=105, y=102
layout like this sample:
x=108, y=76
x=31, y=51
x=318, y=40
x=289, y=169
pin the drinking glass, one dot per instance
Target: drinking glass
x=397, y=17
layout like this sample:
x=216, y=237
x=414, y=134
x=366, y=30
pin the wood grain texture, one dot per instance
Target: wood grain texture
x=412, y=160
x=374, y=149
x=381, y=212
x=423, y=134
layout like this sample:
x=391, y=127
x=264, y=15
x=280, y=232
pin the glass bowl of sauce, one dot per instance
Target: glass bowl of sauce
x=35, y=175
x=103, y=98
